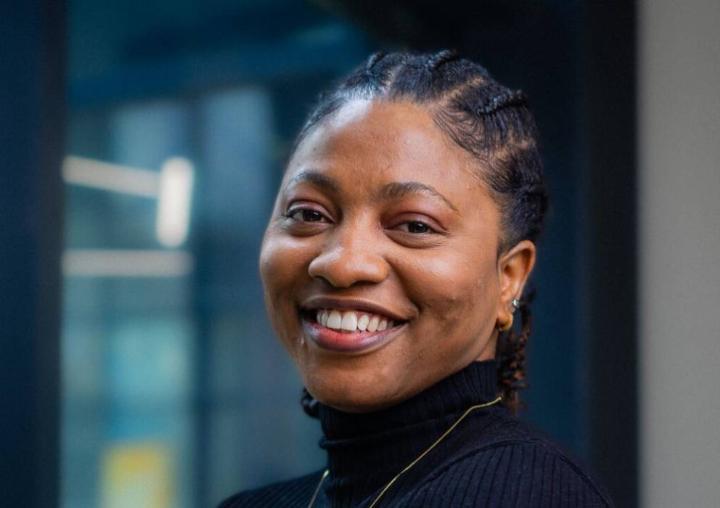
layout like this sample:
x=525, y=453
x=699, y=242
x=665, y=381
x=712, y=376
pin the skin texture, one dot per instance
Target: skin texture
x=428, y=257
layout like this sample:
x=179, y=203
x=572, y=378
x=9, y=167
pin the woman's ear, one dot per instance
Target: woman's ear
x=514, y=267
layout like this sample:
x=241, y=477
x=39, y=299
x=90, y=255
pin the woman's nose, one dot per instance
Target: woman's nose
x=349, y=258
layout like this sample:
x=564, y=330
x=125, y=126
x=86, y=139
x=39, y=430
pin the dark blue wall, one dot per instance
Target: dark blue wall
x=31, y=126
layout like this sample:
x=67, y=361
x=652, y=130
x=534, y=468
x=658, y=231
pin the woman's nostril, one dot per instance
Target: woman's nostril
x=349, y=267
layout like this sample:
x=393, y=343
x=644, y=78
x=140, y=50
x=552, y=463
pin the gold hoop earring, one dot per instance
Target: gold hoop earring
x=506, y=326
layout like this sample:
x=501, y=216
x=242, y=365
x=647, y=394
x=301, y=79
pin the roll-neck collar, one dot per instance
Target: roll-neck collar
x=365, y=449
x=475, y=384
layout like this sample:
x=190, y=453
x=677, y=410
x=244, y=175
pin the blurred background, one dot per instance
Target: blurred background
x=141, y=144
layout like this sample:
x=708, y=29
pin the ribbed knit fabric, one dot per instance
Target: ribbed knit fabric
x=490, y=459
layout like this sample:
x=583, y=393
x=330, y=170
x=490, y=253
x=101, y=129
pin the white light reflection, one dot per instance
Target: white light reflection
x=174, y=199
x=126, y=263
x=110, y=177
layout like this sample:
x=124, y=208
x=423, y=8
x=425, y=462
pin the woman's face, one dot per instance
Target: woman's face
x=380, y=262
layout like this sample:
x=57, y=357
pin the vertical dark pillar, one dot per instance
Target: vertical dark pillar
x=610, y=244
x=31, y=146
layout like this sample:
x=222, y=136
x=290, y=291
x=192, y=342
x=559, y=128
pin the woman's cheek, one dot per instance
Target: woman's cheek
x=444, y=280
x=280, y=267
x=454, y=294
x=283, y=260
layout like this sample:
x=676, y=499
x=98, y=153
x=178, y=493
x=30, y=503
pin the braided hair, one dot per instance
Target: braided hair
x=492, y=123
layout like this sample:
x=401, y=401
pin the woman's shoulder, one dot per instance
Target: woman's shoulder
x=516, y=465
x=289, y=493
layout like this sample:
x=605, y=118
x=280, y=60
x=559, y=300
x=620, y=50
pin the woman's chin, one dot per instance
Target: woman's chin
x=356, y=405
x=353, y=400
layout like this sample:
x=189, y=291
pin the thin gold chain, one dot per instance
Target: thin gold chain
x=317, y=489
x=417, y=459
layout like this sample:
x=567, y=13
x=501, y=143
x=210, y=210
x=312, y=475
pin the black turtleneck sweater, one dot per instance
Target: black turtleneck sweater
x=489, y=459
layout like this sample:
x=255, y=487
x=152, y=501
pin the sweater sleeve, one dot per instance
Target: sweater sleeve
x=525, y=474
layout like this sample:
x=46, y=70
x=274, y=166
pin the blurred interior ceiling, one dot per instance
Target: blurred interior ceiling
x=422, y=24
x=222, y=41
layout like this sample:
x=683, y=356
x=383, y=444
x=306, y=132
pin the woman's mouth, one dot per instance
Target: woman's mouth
x=348, y=330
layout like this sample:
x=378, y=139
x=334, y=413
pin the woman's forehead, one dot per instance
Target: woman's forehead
x=380, y=137
x=386, y=115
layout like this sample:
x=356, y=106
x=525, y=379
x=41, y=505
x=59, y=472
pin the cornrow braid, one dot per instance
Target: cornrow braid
x=374, y=58
x=511, y=357
x=492, y=123
x=505, y=99
x=309, y=404
x=440, y=58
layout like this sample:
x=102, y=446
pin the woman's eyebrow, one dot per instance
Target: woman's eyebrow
x=394, y=190
x=398, y=190
x=315, y=178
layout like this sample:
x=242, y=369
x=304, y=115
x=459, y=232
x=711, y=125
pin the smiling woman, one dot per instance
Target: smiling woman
x=392, y=223
x=398, y=250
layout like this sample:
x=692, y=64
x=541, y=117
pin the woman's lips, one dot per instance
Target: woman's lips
x=348, y=341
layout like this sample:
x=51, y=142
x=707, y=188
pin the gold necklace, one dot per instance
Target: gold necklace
x=417, y=459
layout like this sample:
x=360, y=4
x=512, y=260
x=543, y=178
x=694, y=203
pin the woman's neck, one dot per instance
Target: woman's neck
x=365, y=450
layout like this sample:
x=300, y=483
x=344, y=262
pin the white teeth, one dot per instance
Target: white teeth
x=363, y=322
x=334, y=320
x=349, y=321
x=373, y=324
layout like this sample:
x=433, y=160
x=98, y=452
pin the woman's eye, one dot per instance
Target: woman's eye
x=416, y=227
x=305, y=215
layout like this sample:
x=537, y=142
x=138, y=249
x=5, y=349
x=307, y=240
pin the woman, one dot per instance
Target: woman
x=400, y=243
